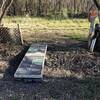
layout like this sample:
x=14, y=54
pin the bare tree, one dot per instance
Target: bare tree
x=4, y=7
x=97, y=3
x=46, y=7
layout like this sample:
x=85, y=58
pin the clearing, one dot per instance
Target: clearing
x=71, y=71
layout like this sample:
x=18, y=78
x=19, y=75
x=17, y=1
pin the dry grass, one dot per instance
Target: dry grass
x=34, y=29
x=59, y=83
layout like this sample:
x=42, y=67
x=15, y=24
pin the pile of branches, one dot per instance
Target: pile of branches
x=76, y=60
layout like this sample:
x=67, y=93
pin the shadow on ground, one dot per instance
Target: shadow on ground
x=14, y=63
x=53, y=87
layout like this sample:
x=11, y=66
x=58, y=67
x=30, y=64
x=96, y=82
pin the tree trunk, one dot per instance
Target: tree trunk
x=96, y=2
x=5, y=6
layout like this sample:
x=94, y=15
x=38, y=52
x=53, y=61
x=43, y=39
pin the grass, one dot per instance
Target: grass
x=56, y=88
x=43, y=29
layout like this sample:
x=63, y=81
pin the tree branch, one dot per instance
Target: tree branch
x=4, y=8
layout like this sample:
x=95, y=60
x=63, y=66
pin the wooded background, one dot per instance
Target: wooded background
x=50, y=8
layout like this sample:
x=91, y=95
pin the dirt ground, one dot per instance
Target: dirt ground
x=71, y=73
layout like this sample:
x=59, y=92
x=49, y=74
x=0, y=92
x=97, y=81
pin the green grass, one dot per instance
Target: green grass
x=37, y=28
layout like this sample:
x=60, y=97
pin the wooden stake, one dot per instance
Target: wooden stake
x=22, y=42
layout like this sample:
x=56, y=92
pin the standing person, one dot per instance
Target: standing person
x=93, y=13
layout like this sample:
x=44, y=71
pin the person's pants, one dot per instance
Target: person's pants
x=92, y=19
x=91, y=31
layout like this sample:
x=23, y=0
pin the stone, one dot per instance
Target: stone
x=32, y=65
